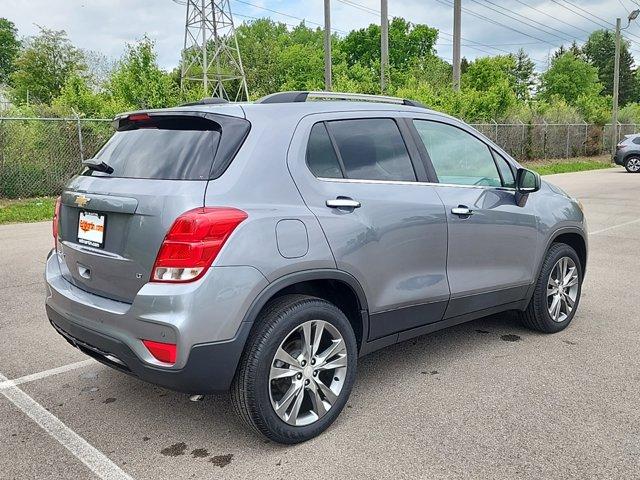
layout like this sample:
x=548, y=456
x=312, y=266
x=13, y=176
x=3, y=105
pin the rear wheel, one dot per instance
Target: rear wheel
x=298, y=369
x=557, y=292
x=632, y=164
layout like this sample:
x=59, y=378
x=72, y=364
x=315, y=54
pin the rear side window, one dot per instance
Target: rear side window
x=372, y=149
x=321, y=157
x=636, y=140
x=171, y=149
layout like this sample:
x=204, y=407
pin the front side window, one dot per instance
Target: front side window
x=508, y=180
x=372, y=149
x=457, y=156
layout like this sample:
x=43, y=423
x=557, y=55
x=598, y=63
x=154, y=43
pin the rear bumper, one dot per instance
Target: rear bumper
x=619, y=156
x=209, y=367
x=204, y=319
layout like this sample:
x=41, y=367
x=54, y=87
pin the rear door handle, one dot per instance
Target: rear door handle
x=343, y=202
x=462, y=210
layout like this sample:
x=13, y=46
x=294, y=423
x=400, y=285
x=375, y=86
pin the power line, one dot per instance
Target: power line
x=286, y=15
x=528, y=21
x=606, y=26
x=552, y=16
x=494, y=22
x=589, y=13
x=364, y=8
x=444, y=32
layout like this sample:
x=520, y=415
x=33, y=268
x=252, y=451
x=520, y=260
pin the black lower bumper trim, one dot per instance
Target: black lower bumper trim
x=210, y=367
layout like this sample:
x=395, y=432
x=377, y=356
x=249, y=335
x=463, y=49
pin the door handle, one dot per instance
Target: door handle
x=343, y=202
x=462, y=210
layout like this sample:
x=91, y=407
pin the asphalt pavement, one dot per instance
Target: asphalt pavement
x=488, y=399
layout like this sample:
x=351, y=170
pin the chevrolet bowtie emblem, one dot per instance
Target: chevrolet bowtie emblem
x=81, y=200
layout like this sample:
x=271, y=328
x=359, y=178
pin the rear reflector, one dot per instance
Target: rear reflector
x=193, y=242
x=56, y=222
x=165, y=352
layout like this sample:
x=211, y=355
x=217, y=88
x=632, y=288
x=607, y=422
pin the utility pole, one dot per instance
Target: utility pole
x=384, y=44
x=616, y=90
x=633, y=15
x=327, y=45
x=457, y=21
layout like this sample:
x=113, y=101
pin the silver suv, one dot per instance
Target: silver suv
x=262, y=248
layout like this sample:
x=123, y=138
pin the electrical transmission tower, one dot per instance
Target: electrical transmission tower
x=211, y=55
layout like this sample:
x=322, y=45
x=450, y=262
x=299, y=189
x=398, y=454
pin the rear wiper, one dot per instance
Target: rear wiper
x=97, y=165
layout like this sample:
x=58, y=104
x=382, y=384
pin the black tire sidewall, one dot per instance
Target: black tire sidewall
x=626, y=164
x=556, y=252
x=304, y=310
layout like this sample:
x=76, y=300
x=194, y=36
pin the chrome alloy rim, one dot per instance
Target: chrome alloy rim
x=633, y=164
x=562, y=289
x=307, y=373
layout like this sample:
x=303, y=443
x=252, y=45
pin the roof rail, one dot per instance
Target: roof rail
x=304, y=96
x=206, y=101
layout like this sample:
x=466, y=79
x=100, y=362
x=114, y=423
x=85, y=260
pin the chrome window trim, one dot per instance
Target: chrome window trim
x=401, y=182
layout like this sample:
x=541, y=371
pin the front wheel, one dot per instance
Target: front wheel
x=557, y=292
x=297, y=371
x=632, y=164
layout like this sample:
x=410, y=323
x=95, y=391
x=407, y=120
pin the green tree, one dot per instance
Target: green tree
x=524, y=74
x=407, y=43
x=137, y=82
x=259, y=43
x=9, y=48
x=77, y=97
x=569, y=78
x=600, y=52
x=485, y=72
x=44, y=65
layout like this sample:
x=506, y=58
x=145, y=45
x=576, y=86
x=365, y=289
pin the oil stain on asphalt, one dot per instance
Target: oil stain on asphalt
x=222, y=460
x=511, y=338
x=174, y=450
x=199, y=453
x=180, y=448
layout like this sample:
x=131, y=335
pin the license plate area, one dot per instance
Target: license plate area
x=91, y=228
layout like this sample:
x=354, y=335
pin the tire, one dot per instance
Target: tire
x=538, y=314
x=632, y=164
x=281, y=326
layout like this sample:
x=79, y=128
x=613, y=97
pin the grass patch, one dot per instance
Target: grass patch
x=566, y=165
x=26, y=210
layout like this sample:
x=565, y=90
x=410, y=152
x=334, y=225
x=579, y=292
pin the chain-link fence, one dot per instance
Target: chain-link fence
x=39, y=155
x=527, y=141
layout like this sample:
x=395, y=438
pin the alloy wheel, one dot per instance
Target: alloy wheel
x=307, y=373
x=562, y=289
x=633, y=164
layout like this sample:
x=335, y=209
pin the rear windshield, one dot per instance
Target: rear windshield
x=172, y=149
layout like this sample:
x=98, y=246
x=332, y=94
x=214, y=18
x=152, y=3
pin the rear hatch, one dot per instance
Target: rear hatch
x=112, y=223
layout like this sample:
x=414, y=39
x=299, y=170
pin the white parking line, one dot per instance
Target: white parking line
x=615, y=226
x=46, y=373
x=95, y=460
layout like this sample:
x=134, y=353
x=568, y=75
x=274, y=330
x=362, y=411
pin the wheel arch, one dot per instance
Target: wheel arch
x=335, y=286
x=576, y=238
x=576, y=241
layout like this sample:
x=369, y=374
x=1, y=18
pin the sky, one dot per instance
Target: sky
x=106, y=26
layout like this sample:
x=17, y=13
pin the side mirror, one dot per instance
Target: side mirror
x=527, y=181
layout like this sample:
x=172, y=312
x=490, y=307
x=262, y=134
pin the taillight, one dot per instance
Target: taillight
x=165, y=352
x=193, y=242
x=56, y=222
